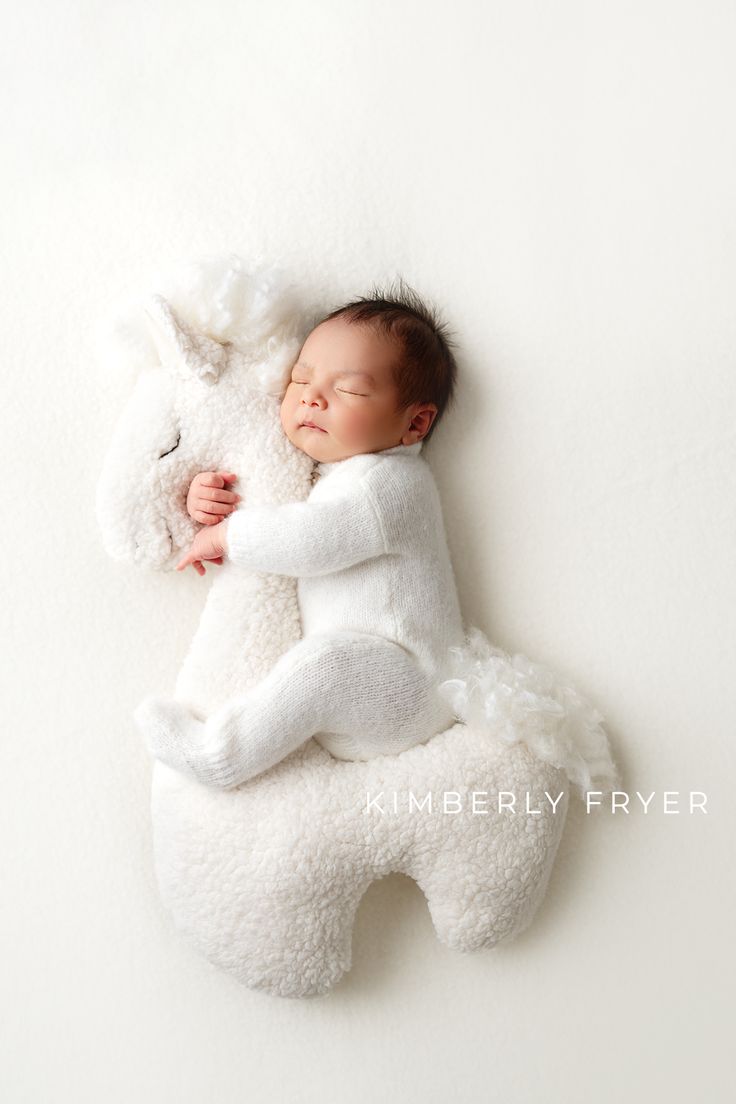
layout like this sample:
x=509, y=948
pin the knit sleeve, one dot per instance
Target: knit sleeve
x=305, y=538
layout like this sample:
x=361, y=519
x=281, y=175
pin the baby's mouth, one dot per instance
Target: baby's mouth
x=311, y=425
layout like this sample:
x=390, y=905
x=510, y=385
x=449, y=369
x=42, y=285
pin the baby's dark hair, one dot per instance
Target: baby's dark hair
x=427, y=370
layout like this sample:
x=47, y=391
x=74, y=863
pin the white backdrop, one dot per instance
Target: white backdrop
x=559, y=179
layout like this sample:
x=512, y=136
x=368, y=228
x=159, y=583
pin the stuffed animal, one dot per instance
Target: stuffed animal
x=265, y=879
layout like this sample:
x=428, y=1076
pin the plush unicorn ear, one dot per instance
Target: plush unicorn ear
x=182, y=351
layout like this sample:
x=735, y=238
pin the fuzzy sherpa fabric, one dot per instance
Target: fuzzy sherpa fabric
x=265, y=879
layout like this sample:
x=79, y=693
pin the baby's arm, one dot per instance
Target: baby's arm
x=305, y=538
x=298, y=538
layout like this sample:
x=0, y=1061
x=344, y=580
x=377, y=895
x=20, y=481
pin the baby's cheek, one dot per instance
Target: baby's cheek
x=358, y=422
x=288, y=404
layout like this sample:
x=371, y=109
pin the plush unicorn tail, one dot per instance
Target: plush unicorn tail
x=516, y=701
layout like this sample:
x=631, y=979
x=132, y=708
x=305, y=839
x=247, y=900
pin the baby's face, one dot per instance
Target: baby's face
x=343, y=384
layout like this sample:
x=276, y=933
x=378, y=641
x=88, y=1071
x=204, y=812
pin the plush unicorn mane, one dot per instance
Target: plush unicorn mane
x=253, y=307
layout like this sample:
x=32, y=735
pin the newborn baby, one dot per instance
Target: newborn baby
x=376, y=589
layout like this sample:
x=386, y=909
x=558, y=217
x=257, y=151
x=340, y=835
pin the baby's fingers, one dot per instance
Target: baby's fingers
x=196, y=564
x=217, y=479
x=213, y=512
x=210, y=498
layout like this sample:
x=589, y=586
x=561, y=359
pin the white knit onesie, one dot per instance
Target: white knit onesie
x=379, y=611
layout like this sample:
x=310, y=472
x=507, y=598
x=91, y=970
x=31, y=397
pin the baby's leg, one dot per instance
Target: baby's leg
x=365, y=694
x=378, y=701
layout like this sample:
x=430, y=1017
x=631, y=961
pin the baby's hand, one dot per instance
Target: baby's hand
x=207, y=501
x=209, y=544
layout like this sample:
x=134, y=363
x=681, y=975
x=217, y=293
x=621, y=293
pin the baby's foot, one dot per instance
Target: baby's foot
x=172, y=732
x=176, y=737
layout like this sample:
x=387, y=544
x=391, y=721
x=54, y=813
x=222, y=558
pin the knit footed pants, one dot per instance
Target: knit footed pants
x=359, y=695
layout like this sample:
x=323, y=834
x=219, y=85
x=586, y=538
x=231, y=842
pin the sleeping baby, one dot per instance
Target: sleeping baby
x=376, y=590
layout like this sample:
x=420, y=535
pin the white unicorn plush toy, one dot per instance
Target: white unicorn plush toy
x=265, y=878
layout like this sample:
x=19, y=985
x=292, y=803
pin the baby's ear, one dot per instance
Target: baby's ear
x=181, y=351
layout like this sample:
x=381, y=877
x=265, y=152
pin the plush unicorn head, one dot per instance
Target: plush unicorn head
x=210, y=354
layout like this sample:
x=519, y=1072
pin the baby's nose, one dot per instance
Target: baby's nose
x=313, y=399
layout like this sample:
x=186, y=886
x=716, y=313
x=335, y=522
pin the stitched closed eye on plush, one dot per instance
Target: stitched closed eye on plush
x=178, y=441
